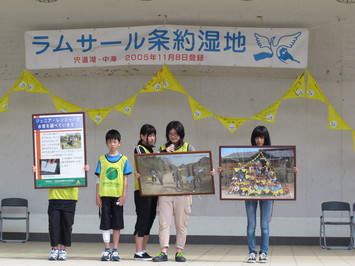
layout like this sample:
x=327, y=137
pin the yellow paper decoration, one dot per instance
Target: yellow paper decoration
x=231, y=123
x=4, y=102
x=127, y=106
x=269, y=113
x=297, y=89
x=313, y=90
x=335, y=121
x=198, y=111
x=29, y=83
x=63, y=106
x=98, y=115
x=170, y=81
x=165, y=80
x=156, y=84
x=21, y=82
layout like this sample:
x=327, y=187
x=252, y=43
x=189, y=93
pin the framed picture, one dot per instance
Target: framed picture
x=251, y=172
x=59, y=150
x=176, y=173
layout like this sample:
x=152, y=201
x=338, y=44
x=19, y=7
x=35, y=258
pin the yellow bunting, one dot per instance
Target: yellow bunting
x=268, y=114
x=4, y=103
x=127, y=106
x=98, y=115
x=231, y=123
x=170, y=81
x=198, y=111
x=335, y=121
x=313, y=90
x=63, y=106
x=29, y=83
x=33, y=85
x=21, y=82
x=297, y=90
x=156, y=84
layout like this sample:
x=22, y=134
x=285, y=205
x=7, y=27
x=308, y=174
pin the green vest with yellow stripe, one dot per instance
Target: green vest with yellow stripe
x=111, y=177
x=71, y=193
x=184, y=147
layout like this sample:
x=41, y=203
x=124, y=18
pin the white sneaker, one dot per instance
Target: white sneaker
x=62, y=255
x=53, y=255
x=251, y=257
x=263, y=257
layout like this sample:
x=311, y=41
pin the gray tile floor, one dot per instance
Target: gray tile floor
x=35, y=253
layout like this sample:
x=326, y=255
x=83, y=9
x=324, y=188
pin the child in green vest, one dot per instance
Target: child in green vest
x=111, y=191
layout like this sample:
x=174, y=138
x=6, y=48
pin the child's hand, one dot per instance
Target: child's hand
x=138, y=175
x=34, y=169
x=171, y=148
x=122, y=200
x=86, y=167
x=219, y=170
x=213, y=172
x=99, y=202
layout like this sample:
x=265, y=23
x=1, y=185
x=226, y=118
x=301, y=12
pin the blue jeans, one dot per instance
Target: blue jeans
x=265, y=214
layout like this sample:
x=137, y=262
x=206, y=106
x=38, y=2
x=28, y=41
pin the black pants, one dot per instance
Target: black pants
x=146, y=212
x=61, y=220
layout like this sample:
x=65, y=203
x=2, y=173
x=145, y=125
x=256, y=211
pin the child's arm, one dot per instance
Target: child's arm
x=98, y=199
x=122, y=199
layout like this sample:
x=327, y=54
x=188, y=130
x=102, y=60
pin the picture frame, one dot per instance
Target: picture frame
x=176, y=173
x=257, y=173
x=59, y=150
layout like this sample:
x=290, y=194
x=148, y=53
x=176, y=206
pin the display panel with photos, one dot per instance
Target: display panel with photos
x=177, y=173
x=251, y=172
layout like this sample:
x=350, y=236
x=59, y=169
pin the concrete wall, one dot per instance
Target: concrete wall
x=325, y=157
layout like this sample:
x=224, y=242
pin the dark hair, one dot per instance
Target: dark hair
x=148, y=130
x=179, y=130
x=260, y=131
x=113, y=134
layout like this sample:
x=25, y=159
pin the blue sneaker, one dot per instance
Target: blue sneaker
x=160, y=257
x=115, y=256
x=179, y=257
x=105, y=256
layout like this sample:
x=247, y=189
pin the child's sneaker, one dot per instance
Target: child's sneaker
x=105, y=256
x=115, y=256
x=53, y=255
x=179, y=257
x=251, y=257
x=263, y=257
x=144, y=256
x=62, y=255
x=160, y=257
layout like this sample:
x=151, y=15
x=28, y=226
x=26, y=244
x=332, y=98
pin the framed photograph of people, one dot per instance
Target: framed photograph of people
x=251, y=172
x=59, y=150
x=177, y=173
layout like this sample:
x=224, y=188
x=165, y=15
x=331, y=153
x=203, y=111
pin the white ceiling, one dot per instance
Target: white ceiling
x=23, y=15
x=18, y=16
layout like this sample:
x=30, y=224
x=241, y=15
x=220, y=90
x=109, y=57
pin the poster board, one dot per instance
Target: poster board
x=59, y=150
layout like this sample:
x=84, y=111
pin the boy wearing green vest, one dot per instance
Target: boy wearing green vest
x=111, y=191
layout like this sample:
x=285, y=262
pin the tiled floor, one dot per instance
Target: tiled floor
x=35, y=253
